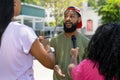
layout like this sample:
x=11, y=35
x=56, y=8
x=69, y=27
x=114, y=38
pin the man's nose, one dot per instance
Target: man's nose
x=68, y=18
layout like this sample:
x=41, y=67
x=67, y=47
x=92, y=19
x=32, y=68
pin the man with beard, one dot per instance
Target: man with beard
x=63, y=43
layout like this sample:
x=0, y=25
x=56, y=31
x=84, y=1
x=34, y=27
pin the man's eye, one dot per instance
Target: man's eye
x=72, y=16
x=65, y=15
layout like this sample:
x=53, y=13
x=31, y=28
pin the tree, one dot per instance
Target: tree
x=109, y=10
x=58, y=7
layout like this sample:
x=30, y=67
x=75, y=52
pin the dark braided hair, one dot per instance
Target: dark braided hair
x=6, y=14
x=104, y=50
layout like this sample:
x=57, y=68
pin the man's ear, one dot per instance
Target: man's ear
x=80, y=19
x=15, y=3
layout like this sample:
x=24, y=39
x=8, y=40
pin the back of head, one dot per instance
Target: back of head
x=6, y=14
x=104, y=49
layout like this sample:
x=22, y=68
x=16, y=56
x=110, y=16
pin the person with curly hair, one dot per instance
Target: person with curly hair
x=103, y=59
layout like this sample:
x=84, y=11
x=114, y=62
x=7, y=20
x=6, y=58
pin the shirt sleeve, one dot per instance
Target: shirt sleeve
x=28, y=37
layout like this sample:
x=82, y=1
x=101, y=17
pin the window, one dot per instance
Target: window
x=89, y=25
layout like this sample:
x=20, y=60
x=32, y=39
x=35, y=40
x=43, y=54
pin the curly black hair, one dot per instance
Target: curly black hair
x=104, y=50
x=6, y=14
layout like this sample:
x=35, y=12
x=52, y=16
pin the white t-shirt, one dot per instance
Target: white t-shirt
x=15, y=60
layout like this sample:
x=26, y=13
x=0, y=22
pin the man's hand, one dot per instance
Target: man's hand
x=74, y=52
x=45, y=42
x=58, y=71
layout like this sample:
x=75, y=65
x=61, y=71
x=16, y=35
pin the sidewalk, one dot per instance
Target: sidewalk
x=42, y=73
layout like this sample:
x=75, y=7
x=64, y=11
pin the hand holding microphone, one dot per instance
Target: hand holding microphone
x=75, y=49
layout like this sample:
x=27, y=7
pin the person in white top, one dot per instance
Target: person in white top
x=19, y=45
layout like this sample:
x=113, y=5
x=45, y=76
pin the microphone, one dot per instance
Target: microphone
x=73, y=38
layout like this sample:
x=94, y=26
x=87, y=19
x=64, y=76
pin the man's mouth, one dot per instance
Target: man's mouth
x=68, y=23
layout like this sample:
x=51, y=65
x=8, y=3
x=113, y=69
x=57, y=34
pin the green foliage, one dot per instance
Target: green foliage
x=109, y=10
x=58, y=7
x=52, y=24
x=60, y=21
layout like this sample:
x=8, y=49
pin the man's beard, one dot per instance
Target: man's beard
x=72, y=29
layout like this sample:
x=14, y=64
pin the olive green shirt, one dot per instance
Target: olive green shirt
x=62, y=46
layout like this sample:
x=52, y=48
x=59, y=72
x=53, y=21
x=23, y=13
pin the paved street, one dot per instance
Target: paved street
x=42, y=73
